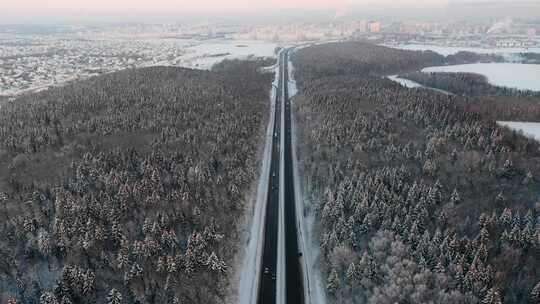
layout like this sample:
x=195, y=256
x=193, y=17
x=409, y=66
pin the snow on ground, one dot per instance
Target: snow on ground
x=451, y=50
x=405, y=82
x=237, y=48
x=512, y=75
x=313, y=281
x=293, y=89
x=248, y=286
x=415, y=85
x=205, y=55
x=529, y=129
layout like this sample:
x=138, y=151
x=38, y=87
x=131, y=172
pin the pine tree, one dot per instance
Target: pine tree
x=440, y=267
x=66, y=300
x=484, y=236
x=161, y=265
x=12, y=301
x=500, y=199
x=333, y=282
x=535, y=294
x=147, y=226
x=87, y=241
x=48, y=298
x=44, y=242
x=506, y=217
x=352, y=273
x=455, y=198
x=88, y=282
x=215, y=264
x=492, y=297
x=430, y=167
x=115, y=297
x=454, y=156
x=508, y=168
x=528, y=178
x=136, y=271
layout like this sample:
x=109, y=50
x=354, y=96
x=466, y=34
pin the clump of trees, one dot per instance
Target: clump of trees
x=531, y=58
x=418, y=199
x=464, y=57
x=129, y=187
x=366, y=59
x=468, y=84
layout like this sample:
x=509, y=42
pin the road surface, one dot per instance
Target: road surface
x=281, y=194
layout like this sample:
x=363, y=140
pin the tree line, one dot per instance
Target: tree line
x=417, y=198
x=361, y=58
x=129, y=187
x=468, y=84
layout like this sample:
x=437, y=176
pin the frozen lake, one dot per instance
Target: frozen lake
x=512, y=75
x=529, y=129
x=451, y=50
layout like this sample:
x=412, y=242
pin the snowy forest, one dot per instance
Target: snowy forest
x=371, y=60
x=129, y=187
x=419, y=196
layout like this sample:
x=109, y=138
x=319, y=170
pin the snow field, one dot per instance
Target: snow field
x=529, y=129
x=405, y=82
x=512, y=75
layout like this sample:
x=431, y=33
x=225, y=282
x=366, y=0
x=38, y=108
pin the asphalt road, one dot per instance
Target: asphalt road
x=294, y=280
x=267, y=288
x=293, y=271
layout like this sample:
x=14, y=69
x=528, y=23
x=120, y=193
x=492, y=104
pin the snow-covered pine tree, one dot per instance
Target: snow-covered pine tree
x=115, y=297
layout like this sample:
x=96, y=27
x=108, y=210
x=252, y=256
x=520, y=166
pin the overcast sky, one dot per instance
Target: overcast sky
x=22, y=11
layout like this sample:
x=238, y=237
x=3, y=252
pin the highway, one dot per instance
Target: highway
x=268, y=273
x=281, y=278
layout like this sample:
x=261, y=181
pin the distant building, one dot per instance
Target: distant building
x=374, y=26
x=531, y=32
x=510, y=43
x=360, y=26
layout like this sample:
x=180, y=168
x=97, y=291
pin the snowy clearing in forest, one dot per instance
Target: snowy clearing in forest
x=529, y=129
x=414, y=85
x=512, y=75
x=205, y=55
x=405, y=82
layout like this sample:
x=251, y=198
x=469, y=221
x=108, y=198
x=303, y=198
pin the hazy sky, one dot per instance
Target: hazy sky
x=21, y=11
x=194, y=5
x=11, y=8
